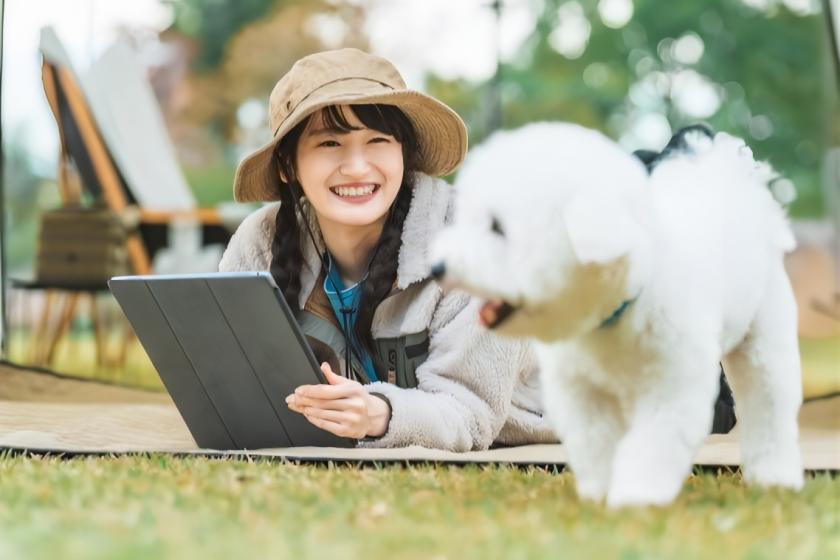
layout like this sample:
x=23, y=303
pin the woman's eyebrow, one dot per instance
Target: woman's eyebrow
x=328, y=130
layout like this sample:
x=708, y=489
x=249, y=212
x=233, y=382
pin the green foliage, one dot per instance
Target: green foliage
x=770, y=64
x=159, y=506
x=211, y=184
x=25, y=193
x=213, y=22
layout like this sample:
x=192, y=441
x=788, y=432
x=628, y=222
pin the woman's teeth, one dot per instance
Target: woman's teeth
x=354, y=191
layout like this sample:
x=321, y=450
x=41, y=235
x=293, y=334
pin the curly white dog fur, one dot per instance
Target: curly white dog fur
x=635, y=286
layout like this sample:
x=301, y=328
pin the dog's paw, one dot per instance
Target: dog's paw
x=630, y=495
x=590, y=490
x=781, y=473
x=637, y=483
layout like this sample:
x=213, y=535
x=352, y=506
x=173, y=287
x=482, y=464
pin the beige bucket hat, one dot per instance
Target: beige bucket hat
x=348, y=77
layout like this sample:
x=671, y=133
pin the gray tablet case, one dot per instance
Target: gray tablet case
x=228, y=350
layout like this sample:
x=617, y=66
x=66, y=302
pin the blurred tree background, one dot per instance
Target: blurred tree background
x=635, y=70
x=236, y=51
x=755, y=69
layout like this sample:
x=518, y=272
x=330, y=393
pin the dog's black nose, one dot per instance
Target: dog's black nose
x=438, y=270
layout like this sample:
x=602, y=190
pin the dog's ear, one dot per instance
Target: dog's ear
x=600, y=229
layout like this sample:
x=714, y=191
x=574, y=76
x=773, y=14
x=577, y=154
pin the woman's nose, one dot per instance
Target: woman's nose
x=355, y=163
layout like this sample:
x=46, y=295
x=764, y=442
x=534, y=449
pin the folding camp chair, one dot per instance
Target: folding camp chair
x=115, y=147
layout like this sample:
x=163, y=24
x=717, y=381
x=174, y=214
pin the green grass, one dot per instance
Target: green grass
x=76, y=356
x=820, y=365
x=159, y=506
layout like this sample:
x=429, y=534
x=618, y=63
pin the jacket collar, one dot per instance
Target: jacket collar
x=428, y=212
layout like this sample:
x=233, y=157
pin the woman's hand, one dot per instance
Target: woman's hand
x=343, y=407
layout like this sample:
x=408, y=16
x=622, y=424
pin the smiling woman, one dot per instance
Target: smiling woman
x=348, y=162
x=352, y=162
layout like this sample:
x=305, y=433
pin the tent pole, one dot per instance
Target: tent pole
x=3, y=323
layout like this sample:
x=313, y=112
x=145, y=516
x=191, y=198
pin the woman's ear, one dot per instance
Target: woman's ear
x=600, y=229
x=280, y=173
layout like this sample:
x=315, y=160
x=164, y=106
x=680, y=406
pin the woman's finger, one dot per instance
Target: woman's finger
x=332, y=377
x=344, y=418
x=330, y=426
x=329, y=391
x=349, y=403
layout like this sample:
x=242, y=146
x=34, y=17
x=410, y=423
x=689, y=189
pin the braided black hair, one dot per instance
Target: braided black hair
x=286, y=252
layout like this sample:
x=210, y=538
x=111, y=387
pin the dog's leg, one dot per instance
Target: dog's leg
x=590, y=425
x=766, y=379
x=668, y=426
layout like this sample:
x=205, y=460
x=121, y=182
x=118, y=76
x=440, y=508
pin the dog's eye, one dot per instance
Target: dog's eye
x=496, y=227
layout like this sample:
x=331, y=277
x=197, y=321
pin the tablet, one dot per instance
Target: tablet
x=228, y=350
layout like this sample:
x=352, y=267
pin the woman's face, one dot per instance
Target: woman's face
x=350, y=178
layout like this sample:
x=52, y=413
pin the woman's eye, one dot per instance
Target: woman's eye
x=328, y=144
x=380, y=139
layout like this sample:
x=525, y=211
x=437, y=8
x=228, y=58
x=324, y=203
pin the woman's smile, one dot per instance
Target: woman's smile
x=355, y=193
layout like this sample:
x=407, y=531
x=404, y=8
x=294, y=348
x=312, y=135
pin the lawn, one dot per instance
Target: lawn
x=159, y=506
x=820, y=365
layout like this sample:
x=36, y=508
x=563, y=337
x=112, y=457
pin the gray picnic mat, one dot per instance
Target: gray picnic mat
x=97, y=427
x=43, y=412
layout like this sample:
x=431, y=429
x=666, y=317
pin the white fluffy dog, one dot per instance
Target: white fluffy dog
x=635, y=286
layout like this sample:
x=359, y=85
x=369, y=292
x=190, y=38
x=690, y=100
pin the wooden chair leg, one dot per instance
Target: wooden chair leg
x=63, y=325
